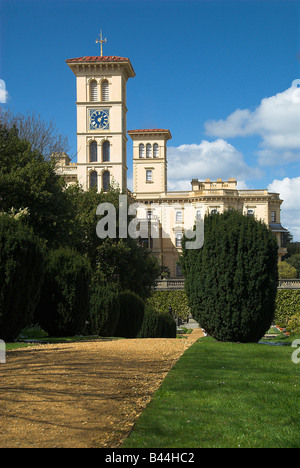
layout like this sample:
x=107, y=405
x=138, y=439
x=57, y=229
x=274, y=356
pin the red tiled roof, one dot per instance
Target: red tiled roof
x=109, y=58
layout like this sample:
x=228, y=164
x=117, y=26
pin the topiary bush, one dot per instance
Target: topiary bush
x=104, y=311
x=231, y=282
x=21, y=276
x=167, y=326
x=64, y=303
x=157, y=325
x=132, y=309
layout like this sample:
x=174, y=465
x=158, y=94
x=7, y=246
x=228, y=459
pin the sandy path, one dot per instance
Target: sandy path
x=81, y=395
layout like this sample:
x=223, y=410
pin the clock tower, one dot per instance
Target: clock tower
x=101, y=120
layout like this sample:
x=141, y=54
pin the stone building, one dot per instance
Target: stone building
x=102, y=160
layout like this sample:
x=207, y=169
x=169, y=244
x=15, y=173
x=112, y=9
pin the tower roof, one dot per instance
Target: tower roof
x=107, y=59
x=96, y=58
x=150, y=131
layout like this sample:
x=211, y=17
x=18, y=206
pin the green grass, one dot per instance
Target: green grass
x=224, y=395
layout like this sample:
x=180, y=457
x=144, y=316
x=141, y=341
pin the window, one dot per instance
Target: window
x=142, y=150
x=178, y=240
x=155, y=150
x=273, y=216
x=106, y=181
x=94, y=179
x=179, y=273
x=148, y=150
x=93, y=91
x=148, y=175
x=93, y=152
x=214, y=211
x=250, y=213
x=179, y=216
x=105, y=91
x=106, y=151
x=149, y=215
x=198, y=215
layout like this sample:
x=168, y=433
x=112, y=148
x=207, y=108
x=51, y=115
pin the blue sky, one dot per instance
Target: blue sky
x=218, y=74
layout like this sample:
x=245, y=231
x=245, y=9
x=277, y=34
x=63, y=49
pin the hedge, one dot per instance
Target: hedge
x=177, y=300
x=157, y=325
x=104, y=311
x=22, y=258
x=132, y=309
x=64, y=303
x=287, y=305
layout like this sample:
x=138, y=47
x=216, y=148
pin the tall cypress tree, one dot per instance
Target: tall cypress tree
x=231, y=283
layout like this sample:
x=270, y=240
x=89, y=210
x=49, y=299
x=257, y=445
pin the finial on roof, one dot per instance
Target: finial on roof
x=101, y=43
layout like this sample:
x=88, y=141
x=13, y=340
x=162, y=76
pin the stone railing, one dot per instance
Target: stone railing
x=177, y=284
x=169, y=284
x=293, y=283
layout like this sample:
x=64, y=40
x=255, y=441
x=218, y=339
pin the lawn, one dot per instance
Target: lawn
x=225, y=395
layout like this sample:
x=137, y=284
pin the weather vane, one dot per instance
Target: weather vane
x=101, y=42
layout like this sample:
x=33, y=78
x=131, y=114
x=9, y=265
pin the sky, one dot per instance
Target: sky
x=222, y=76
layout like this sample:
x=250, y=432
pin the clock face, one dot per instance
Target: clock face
x=99, y=119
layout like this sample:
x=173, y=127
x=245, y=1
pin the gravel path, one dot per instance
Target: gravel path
x=81, y=395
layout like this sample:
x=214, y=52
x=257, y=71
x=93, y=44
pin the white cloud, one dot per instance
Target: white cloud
x=276, y=120
x=289, y=190
x=207, y=160
x=3, y=92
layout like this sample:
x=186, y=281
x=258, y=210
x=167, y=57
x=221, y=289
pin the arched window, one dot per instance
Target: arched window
x=106, y=151
x=155, y=150
x=142, y=150
x=148, y=150
x=93, y=152
x=105, y=90
x=93, y=91
x=94, y=179
x=105, y=181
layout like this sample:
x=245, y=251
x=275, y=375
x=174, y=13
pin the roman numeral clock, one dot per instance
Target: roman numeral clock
x=99, y=119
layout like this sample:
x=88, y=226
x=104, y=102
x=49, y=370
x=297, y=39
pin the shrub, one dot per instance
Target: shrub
x=64, y=303
x=287, y=305
x=285, y=270
x=231, y=282
x=294, y=324
x=104, y=311
x=21, y=276
x=177, y=300
x=294, y=261
x=157, y=325
x=132, y=309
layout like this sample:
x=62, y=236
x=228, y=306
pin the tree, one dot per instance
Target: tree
x=132, y=310
x=104, y=310
x=285, y=270
x=120, y=261
x=231, y=283
x=64, y=303
x=294, y=261
x=42, y=136
x=21, y=276
x=82, y=232
x=126, y=264
x=28, y=181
